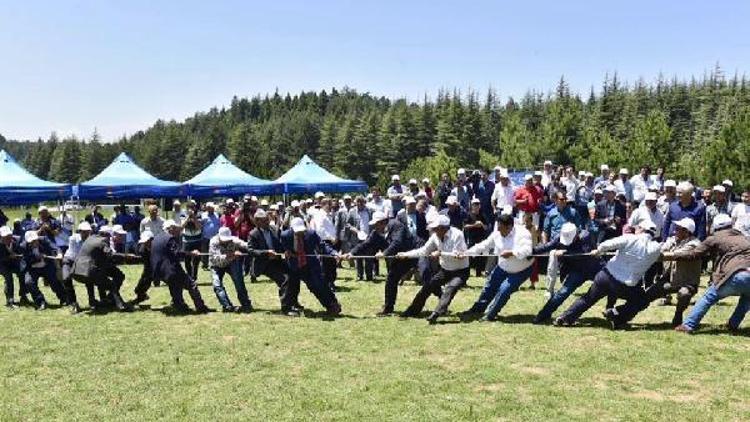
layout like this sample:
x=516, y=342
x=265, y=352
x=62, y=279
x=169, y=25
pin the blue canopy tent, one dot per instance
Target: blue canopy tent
x=222, y=178
x=306, y=177
x=19, y=187
x=123, y=179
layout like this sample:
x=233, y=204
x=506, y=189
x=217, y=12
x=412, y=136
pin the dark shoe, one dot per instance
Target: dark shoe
x=386, y=311
x=230, y=309
x=485, y=318
x=532, y=287
x=11, y=305
x=298, y=307
x=24, y=301
x=42, y=306
x=677, y=321
x=541, y=321
x=409, y=314
x=245, y=309
x=334, y=310
x=467, y=314
x=291, y=312
x=730, y=328
x=203, y=310
x=140, y=297
x=182, y=309
x=74, y=308
x=683, y=329
x=561, y=322
x=432, y=319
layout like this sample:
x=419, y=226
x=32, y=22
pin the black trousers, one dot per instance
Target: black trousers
x=396, y=271
x=180, y=282
x=365, y=267
x=604, y=285
x=288, y=295
x=144, y=282
x=7, y=274
x=108, y=280
x=444, y=284
x=329, y=269
x=630, y=309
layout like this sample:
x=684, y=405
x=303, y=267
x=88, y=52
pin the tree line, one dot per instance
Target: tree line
x=697, y=128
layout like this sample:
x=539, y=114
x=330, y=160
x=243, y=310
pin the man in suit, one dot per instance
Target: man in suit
x=35, y=264
x=144, y=282
x=265, y=239
x=357, y=229
x=166, y=264
x=609, y=215
x=95, y=264
x=75, y=242
x=386, y=239
x=301, y=247
x=10, y=263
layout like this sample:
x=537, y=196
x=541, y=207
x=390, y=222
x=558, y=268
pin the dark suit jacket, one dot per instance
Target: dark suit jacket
x=601, y=214
x=30, y=257
x=422, y=232
x=165, y=258
x=258, y=242
x=313, y=245
x=397, y=239
x=94, y=257
x=8, y=263
x=583, y=244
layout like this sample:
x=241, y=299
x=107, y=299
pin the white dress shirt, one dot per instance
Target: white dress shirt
x=74, y=247
x=741, y=217
x=323, y=225
x=636, y=253
x=642, y=214
x=502, y=196
x=453, y=242
x=518, y=241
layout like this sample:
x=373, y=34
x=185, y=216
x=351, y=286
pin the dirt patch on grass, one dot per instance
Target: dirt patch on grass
x=492, y=388
x=532, y=370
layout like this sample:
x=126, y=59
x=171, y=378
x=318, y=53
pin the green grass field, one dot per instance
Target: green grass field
x=150, y=365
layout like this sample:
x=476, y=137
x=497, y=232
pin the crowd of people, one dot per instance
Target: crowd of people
x=640, y=239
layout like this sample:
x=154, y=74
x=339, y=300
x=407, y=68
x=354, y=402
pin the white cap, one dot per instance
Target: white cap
x=610, y=188
x=308, y=201
x=547, y=163
x=413, y=181
x=421, y=194
x=117, y=229
x=259, y=213
x=568, y=233
x=719, y=188
x=5, y=231
x=624, y=171
x=504, y=173
x=721, y=221
x=210, y=205
x=581, y=173
x=670, y=183
x=298, y=225
x=30, y=236
x=377, y=217
x=105, y=230
x=42, y=208
x=647, y=225
x=538, y=173
x=280, y=204
x=146, y=236
x=409, y=200
x=686, y=223
x=727, y=182
x=589, y=174
x=247, y=197
x=528, y=176
x=475, y=200
x=274, y=207
x=507, y=210
x=498, y=168
x=84, y=226
x=169, y=224
x=254, y=198
x=395, y=177
x=440, y=221
x=604, y=167
x=461, y=171
x=451, y=200
x=598, y=191
x=319, y=195
x=225, y=234
x=176, y=202
x=294, y=203
x=347, y=197
x=264, y=203
x=684, y=186
x=425, y=180
x=650, y=196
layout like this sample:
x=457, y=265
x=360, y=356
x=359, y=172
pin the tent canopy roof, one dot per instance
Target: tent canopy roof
x=18, y=186
x=307, y=176
x=123, y=179
x=223, y=178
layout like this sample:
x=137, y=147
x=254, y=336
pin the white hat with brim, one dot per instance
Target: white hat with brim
x=547, y=163
x=610, y=188
x=408, y=200
x=568, y=233
x=624, y=171
x=721, y=221
x=225, y=234
x=650, y=196
x=146, y=236
x=5, y=231
x=319, y=195
x=210, y=205
x=264, y=203
x=169, y=224
x=377, y=217
x=647, y=226
x=259, y=213
x=105, y=230
x=30, y=236
x=425, y=180
x=294, y=203
x=413, y=182
x=298, y=225
x=604, y=167
x=528, y=177
x=451, y=200
x=84, y=226
x=395, y=177
x=719, y=188
x=686, y=223
x=727, y=182
x=440, y=221
x=670, y=184
x=117, y=229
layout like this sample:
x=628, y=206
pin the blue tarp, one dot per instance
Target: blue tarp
x=306, y=177
x=19, y=187
x=222, y=178
x=123, y=179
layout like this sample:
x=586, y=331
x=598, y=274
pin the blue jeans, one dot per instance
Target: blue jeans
x=737, y=285
x=497, y=290
x=572, y=282
x=235, y=272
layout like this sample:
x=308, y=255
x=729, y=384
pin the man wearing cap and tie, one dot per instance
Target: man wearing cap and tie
x=386, y=239
x=447, y=244
x=610, y=215
x=75, y=242
x=357, y=228
x=621, y=276
x=512, y=244
x=302, y=247
x=95, y=264
x=730, y=277
x=680, y=277
x=166, y=265
x=322, y=223
x=263, y=238
x=36, y=263
x=721, y=205
x=10, y=263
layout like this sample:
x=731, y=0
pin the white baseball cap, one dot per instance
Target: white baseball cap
x=425, y=180
x=461, y=171
x=648, y=225
x=409, y=200
x=254, y=198
x=610, y=188
x=395, y=177
x=377, y=217
x=547, y=163
x=294, y=203
x=528, y=176
x=146, y=236
x=259, y=213
x=225, y=234
x=440, y=221
x=686, y=223
x=264, y=203
x=210, y=205
x=229, y=201
x=650, y=196
x=504, y=173
x=598, y=191
x=347, y=197
x=721, y=221
x=451, y=200
x=105, y=230
x=624, y=171
x=413, y=182
x=298, y=225
x=5, y=231
x=274, y=207
x=31, y=236
x=670, y=183
x=581, y=173
x=319, y=195
x=727, y=182
x=176, y=202
x=719, y=188
x=604, y=167
x=84, y=226
x=169, y=224
x=117, y=229
x=568, y=233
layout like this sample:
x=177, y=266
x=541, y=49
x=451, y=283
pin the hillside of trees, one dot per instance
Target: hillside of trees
x=698, y=128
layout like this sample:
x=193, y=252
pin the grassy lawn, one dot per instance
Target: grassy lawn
x=150, y=365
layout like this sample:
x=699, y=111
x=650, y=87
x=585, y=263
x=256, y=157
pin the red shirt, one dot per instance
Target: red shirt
x=245, y=226
x=428, y=192
x=227, y=220
x=532, y=197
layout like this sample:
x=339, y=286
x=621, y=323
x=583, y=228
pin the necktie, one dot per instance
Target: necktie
x=300, y=247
